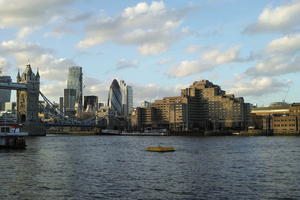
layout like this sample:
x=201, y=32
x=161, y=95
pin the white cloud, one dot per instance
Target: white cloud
x=282, y=18
x=281, y=56
x=153, y=48
x=209, y=61
x=222, y=57
x=286, y=44
x=257, y=86
x=4, y=65
x=151, y=27
x=30, y=14
x=125, y=63
x=186, y=68
x=275, y=66
x=50, y=67
x=54, y=90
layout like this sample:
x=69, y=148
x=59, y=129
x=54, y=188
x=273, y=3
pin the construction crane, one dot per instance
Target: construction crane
x=286, y=94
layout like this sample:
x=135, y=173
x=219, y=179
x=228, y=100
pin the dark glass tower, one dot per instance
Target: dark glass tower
x=115, y=97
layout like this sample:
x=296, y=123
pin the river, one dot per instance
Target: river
x=118, y=167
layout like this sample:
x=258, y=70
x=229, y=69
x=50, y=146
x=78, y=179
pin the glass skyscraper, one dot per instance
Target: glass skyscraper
x=115, y=97
x=69, y=102
x=90, y=103
x=75, y=82
x=127, y=98
x=4, y=94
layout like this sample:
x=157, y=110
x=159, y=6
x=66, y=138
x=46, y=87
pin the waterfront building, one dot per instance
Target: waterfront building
x=277, y=118
x=115, y=97
x=69, y=102
x=127, y=98
x=90, y=103
x=273, y=109
x=222, y=110
x=75, y=82
x=4, y=94
x=202, y=106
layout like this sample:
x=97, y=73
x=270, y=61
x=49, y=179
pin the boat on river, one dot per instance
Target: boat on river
x=12, y=138
x=160, y=149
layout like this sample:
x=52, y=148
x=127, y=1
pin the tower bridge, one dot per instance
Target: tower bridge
x=28, y=107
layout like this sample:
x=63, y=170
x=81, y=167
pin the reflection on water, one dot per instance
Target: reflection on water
x=118, y=167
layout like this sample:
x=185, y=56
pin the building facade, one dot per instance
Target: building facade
x=61, y=105
x=127, y=98
x=202, y=106
x=75, y=82
x=279, y=118
x=10, y=107
x=90, y=103
x=69, y=102
x=4, y=94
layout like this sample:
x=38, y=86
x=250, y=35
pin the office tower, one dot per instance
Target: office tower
x=4, y=94
x=69, y=102
x=146, y=104
x=100, y=105
x=127, y=98
x=10, y=106
x=61, y=104
x=90, y=103
x=115, y=97
x=75, y=82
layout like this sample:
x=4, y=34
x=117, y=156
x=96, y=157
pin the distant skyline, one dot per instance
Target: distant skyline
x=249, y=48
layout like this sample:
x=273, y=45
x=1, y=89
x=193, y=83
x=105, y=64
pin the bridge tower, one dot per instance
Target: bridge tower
x=28, y=102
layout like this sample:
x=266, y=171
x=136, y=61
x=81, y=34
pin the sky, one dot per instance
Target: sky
x=249, y=48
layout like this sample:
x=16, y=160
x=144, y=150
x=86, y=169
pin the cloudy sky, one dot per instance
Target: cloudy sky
x=249, y=48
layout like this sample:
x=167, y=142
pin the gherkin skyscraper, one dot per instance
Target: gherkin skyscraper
x=115, y=97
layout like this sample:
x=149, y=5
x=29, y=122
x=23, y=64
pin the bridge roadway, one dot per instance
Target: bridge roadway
x=11, y=123
x=71, y=125
x=13, y=86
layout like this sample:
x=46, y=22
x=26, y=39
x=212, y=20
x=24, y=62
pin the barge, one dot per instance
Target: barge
x=12, y=138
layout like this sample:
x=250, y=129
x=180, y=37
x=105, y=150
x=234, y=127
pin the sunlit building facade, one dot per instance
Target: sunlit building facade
x=127, y=98
x=201, y=106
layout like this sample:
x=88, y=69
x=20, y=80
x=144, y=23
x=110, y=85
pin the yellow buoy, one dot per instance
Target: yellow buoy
x=160, y=149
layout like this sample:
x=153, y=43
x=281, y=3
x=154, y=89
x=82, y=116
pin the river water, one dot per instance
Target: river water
x=118, y=167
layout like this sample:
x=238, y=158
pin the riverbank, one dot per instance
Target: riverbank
x=203, y=133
